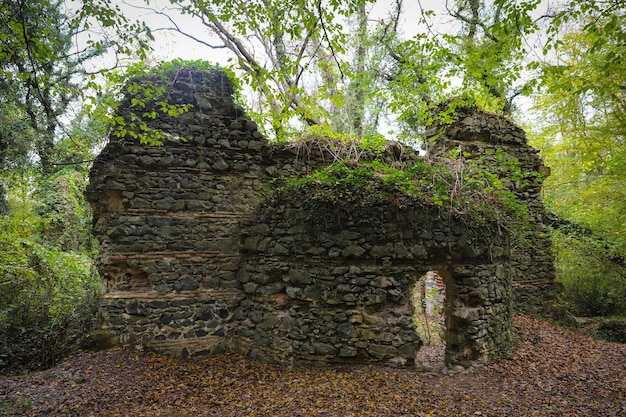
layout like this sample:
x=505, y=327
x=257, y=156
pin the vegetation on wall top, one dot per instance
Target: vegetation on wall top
x=142, y=94
x=452, y=185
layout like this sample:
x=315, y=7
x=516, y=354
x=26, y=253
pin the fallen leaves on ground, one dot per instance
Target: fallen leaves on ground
x=553, y=372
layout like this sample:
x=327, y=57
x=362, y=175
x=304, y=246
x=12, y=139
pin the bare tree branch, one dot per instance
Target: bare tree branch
x=473, y=22
x=176, y=28
x=330, y=45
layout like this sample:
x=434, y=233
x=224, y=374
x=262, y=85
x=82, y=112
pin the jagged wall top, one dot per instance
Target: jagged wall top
x=207, y=90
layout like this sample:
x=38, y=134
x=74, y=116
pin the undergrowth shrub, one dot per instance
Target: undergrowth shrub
x=593, y=285
x=49, y=290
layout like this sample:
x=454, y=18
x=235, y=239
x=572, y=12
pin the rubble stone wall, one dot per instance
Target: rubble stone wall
x=500, y=146
x=194, y=260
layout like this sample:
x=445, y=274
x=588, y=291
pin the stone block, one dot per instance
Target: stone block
x=299, y=276
x=352, y=251
x=382, y=351
x=324, y=349
x=348, y=352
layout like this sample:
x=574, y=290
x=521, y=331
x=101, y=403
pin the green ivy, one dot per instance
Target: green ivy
x=66, y=216
x=146, y=88
x=451, y=185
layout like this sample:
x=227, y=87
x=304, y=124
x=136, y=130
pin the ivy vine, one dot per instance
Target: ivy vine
x=144, y=90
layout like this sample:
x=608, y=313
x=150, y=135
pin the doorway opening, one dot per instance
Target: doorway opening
x=429, y=300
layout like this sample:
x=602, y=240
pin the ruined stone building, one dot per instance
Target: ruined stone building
x=195, y=260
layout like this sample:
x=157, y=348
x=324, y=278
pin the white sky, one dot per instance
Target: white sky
x=170, y=45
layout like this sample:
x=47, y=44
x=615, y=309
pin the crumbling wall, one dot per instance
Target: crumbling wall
x=195, y=260
x=168, y=219
x=336, y=285
x=498, y=145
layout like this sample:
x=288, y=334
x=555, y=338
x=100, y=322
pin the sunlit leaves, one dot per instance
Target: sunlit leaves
x=582, y=133
x=45, y=48
x=484, y=62
x=581, y=130
x=127, y=37
x=47, y=289
x=277, y=46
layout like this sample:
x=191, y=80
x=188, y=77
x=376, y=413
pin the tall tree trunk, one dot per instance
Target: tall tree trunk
x=359, y=96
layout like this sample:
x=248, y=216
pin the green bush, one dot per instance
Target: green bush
x=65, y=216
x=593, y=285
x=48, y=288
x=613, y=331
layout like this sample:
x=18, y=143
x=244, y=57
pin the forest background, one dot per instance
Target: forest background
x=355, y=71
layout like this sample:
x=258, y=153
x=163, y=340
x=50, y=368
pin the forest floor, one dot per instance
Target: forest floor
x=552, y=372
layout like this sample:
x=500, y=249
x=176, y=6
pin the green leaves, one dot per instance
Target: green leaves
x=48, y=290
x=144, y=91
x=593, y=284
x=282, y=49
x=452, y=185
x=45, y=70
x=583, y=127
x=483, y=63
x=580, y=128
x=130, y=38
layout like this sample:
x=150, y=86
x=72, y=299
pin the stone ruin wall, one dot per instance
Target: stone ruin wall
x=194, y=263
x=501, y=147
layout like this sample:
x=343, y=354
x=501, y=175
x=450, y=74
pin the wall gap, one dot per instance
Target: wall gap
x=429, y=301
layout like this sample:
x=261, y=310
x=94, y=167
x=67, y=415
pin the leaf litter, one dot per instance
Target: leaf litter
x=551, y=372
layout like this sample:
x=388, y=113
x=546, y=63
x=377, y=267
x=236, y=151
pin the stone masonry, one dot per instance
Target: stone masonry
x=195, y=260
x=500, y=146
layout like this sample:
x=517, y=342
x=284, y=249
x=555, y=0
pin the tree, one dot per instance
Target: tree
x=15, y=137
x=580, y=128
x=274, y=43
x=35, y=54
x=44, y=66
x=299, y=56
x=48, y=294
x=583, y=135
x=48, y=291
x=483, y=63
